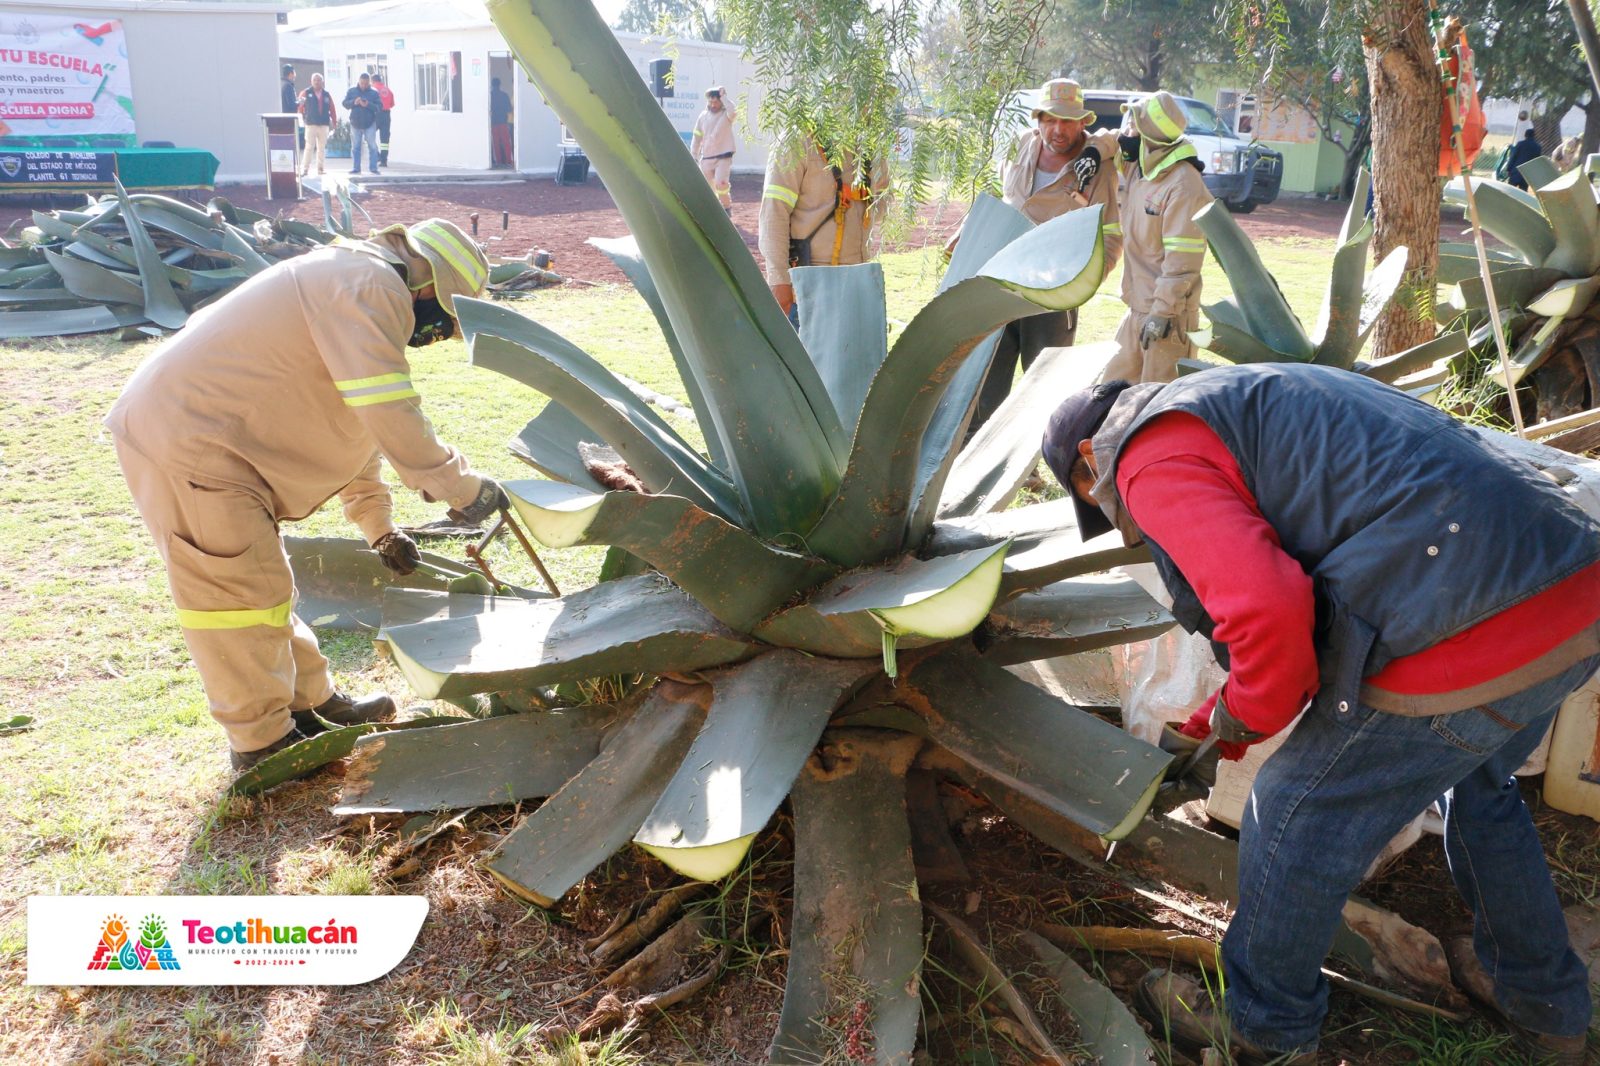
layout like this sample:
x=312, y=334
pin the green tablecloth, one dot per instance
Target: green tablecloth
x=137, y=168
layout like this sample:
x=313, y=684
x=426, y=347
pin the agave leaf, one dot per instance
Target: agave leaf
x=204, y=234
x=767, y=401
x=1530, y=354
x=1070, y=617
x=1444, y=346
x=1338, y=323
x=1077, y=765
x=1256, y=291
x=250, y=260
x=766, y=716
x=1355, y=216
x=60, y=298
x=624, y=252
x=1513, y=216
x=856, y=935
x=1109, y=1031
x=1236, y=345
x=1226, y=311
x=15, y=324
x=299, y=759
x=592, y=816
x=636, y=625
x=1454, y=267
x=1513, y=287
x=18, y=277
x=340, y=224
x=1002, y=454
x=476, y=763
x=549, y=443
x=92, y=282
x=1569, y=204
x=161, y=304
x=848, y=335
x=1382, y=284
x=727, y=570
x=340, y=582
x=1060, y=261
x=1539, y=171
x=1569, y=297
x=504, y=341
x=15, y=257
x=1045, y=544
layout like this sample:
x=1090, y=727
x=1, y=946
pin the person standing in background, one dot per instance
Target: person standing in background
x=319, y=116
x=386, y=98
x=363, y=106
x=713, y=146
x=500, y=124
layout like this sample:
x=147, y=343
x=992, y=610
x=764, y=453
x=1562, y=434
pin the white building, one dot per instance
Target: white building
x=202, y=73
x=438, y=57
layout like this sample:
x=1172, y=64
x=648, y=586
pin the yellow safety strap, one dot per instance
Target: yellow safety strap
x=383, y=388
x=1172, y=158
x=838, y=228
x=266, y=616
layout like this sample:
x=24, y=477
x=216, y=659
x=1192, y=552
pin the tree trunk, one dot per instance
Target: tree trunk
x=1360, y=137
x=1547, y=126
x=1406, y=99
x=1591, y=128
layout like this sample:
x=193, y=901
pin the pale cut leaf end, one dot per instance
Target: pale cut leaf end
x=521, y=891
x=710, y=862
x=555, y=524
x=425, y=684
x=1136, y=814
x=955, y=611
x=1074, y=293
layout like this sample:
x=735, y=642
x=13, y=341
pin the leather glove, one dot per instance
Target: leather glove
x=1086, y=167
x=490, y=499
x=1233, y=736
x=398, y=552
x=1155, y=328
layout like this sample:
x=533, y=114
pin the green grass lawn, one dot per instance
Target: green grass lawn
x=116, y=788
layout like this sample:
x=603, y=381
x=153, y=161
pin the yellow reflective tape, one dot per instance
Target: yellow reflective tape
x=779, y=193
x=465, y=263
x=267, y=616
x=1112, y=227
x=379, y=397
x=1162, y=120
x=363, y=383
x=1184, y=244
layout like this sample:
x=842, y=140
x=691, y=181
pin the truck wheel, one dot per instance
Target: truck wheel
x=1242, y=208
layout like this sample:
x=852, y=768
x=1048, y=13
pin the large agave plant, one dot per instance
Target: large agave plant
x=1545, y=281
x=829, y=588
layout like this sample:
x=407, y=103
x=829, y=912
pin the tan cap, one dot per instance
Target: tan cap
x=459, y=266
x=1063, y=98
x=1159, y=117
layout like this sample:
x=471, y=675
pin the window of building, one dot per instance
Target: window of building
x=438, y=81
x=373, y=63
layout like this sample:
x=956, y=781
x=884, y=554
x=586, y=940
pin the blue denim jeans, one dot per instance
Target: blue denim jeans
x=1323, y=807
x=369, y=137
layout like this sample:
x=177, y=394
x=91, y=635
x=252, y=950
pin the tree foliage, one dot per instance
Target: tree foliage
x=681, y=18
x=1133, y=44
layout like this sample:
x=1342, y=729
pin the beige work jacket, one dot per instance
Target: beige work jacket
x=1057, y=198
x=799, y=197
x=290, y=388
x=1163, y=247
x=713, y=134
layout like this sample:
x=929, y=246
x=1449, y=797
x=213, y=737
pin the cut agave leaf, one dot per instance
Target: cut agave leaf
x=1538, y=171
x=1334, y=338
x=1512, y=215
x=1236, y=345
x=728, y=571
x=1057, y=265
x=14, y=324
x=550, y=444
x=476, y=763
x=1382, y=284
x=1070, y=617
x=636, y=625
x=850, y=340
x=340, y=582
x=1567, y=297
x=593, y=815
x=1569, y=204
x=511, y=344
x=93, y=282
x=1045, y=544
x=856, y=936
x=768, y=403
x=1444, y=346
x=766, y=716
x=1110, y=1032
x=1001, y=455
x=624, y=252
x=1530, y=354
x=299, y=759
x=1513, y=287
x=1077, y=765
x=161, y=304
x=1271, y=320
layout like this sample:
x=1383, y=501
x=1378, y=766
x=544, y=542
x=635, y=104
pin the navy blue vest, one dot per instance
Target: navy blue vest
x=1412, y=527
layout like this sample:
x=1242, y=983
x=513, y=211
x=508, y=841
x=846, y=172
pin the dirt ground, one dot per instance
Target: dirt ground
x=559, y=218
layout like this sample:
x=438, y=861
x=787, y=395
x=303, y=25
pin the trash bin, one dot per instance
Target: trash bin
x=573, y=166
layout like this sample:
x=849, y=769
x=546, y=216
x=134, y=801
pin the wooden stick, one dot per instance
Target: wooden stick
x=1181, y=947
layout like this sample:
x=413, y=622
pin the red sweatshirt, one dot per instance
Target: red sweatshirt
x=1184, y=489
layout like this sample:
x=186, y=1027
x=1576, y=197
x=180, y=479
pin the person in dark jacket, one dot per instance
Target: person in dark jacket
x=385, y=115
x=1344, y=547
x=1525, y=149
x=289, y=100
x=363, y=105
x=318, y=117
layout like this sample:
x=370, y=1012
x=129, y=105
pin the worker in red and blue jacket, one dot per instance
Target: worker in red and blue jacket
x=1427, y=600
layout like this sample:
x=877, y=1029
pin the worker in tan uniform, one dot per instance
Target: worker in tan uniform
x=276, y=398
x=1163, y=248
x=1056, y=167
x=816, y=213
x=712, y=145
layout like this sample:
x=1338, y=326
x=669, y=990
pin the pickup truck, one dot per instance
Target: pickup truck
x=1242, y=174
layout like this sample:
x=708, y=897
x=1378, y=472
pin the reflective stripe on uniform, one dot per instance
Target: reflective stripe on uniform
x=1112, y=229
x=383, y=388
x=1184, y=244
x=781, y=194
x=244, y=619
x=1163, y=122
x=446, y=245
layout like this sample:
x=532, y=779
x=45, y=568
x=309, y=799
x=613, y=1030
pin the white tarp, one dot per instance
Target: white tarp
x=62, y=76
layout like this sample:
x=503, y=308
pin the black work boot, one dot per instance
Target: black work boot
x=1547, y=1049
x=1183, y=1011
x=244, y=760
x=342, y=710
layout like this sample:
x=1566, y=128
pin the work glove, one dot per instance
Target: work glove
x=1233, y=736
x=399, y=552
x=491, y=498
x=1086, y=167
x=1155, y=328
